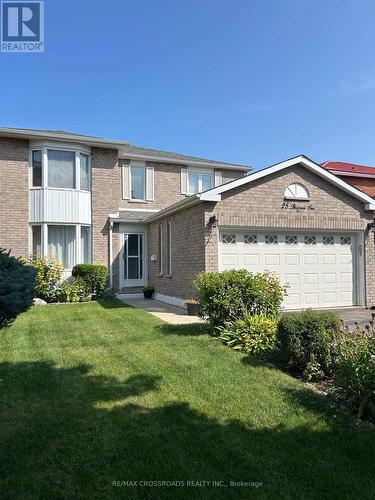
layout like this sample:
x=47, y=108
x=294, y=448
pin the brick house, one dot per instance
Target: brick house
x=160, y=218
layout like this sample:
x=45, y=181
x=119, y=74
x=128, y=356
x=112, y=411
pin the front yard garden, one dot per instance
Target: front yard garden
x=92, y=394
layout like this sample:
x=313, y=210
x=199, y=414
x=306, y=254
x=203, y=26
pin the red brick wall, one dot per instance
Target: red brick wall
x=365, y=184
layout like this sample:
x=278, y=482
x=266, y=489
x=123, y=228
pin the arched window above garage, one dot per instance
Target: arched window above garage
x=296, y=191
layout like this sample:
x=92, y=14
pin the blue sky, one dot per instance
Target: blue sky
x=246, y=81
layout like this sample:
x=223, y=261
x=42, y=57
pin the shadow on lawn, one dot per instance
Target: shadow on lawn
x=193, y=329
x=67, y=433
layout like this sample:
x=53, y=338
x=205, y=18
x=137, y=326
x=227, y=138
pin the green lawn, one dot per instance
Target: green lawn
x=96, y=393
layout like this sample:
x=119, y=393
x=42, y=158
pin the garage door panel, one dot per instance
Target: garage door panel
x=230, y=260
x=318, y=269
x=251, y=260
x=329, y=259
x=292, y=259
x=311, y=259
x=293, y=300
x=272, y=260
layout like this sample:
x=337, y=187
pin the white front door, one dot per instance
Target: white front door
x=319, y=269
x=133, y=259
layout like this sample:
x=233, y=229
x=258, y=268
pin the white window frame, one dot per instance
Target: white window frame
x=44, y=239
x=139, y=165
x=290, y=195
x=44, y=147
x=199, y=172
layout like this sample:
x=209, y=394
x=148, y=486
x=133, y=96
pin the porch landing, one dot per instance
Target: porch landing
x=166, y=312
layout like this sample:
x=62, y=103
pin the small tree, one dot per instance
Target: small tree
x=17, y=282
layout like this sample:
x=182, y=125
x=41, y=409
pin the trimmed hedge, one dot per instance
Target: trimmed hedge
x=94, y=275
x=231, y=295
x=17, y=281
x=307, y=342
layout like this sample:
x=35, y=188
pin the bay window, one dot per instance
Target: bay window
x=84, y=172
x=62, y=244
x=85, y=245
x=36, y=245
x=69, y=244
x=61, y=169
x=37, y=168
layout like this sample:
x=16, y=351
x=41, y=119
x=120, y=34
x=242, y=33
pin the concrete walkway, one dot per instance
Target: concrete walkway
x=170, y=314
x=352, y=315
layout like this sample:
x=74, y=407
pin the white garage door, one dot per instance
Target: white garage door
x=319, y=268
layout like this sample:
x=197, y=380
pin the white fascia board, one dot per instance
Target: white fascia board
x=82, y=139
x=176, y=207
x=321, y=171
x=208, y=196
x=370, y=206
x=181, y=161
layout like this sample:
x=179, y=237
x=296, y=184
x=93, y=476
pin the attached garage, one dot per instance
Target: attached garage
x=320, y=269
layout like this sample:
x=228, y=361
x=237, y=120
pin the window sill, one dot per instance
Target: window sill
x=138, y=201
x=36, y=188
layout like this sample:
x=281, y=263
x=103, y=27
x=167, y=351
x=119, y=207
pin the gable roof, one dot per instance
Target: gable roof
x=215, y=193
x=136, y=152
x=344, y=168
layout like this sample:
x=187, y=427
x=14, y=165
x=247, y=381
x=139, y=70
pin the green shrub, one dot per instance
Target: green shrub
x=306, y=342
x=253, y=334
x=231, y=295
x=355, y=373
x=94, y=275
x=49, y=275
x=17, y=282
x=67, y=292
x=76, y=291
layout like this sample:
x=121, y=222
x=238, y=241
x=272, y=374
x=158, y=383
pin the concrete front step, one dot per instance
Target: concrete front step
x=132, y=289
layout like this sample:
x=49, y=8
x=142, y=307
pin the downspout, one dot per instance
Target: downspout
x=110, y=254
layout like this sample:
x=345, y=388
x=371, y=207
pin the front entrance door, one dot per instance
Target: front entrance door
x=133, y=252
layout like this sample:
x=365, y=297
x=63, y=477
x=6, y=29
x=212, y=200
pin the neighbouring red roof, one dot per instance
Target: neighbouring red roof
x=353, y=168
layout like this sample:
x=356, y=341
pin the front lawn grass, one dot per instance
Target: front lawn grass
x=96, y=393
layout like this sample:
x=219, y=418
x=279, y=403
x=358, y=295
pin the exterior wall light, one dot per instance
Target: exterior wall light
x=213, y=221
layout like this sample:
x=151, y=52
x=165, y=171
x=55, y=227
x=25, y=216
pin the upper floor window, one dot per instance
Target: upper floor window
x=37, y=168
x=296, y=191
x=60, y=168
x=84, y=172
x=199, y=182
x=137, y=181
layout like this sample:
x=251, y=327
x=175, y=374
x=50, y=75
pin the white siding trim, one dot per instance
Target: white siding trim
x=184, y=180
x=126, y=182
x=150, y=183
x=218, y=178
